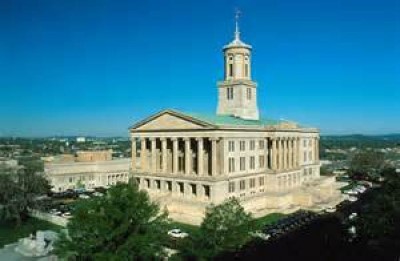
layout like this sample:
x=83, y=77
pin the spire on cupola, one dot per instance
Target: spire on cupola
x=237, y=32
x=236, y=38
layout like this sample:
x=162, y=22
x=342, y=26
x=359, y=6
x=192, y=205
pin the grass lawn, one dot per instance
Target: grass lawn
x=9, y=233
x=268, y=219
x=260, y=222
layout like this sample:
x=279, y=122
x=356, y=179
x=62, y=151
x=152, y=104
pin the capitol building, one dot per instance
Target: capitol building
x=187, y=161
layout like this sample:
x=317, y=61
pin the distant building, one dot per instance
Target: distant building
x=90, y=156
x=80, y=139
x=89, y=169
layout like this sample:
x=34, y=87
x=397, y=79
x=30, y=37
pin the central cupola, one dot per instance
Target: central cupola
x=237, y=93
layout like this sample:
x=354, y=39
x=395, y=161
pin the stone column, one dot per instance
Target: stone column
x=284, y=150
x=153, y=155
x=317, y=149
x=175, y=155
x=214, y=163
x=133, y=153
x=273, y=154
x=187, y=156
x=279, y=153
x=200, y=154
x=266, y=153
x=164, y=155
x=298, y=151
x=295, y=160
x=290, y=153
x=143, y=155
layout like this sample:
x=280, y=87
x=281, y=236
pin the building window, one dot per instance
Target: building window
x=147, y=183
x=206, y=191
x=138, y=181
x=231, y=70
x=229, y=93
x=261, y=181
x=242, y=163
x=252, y=162
x=261, y=161
x=310, y=155
x=169, y=185
x=305, y=143
x=305, y=156
x=194, y=189
x=231, y=146
x=246, y=70
x=261, y=144
x=249, y=93
x=252, y=145
x=231, y=164
x=242, y=185
x=181, y=187
x=158, y=184
x=252, y=183
x=242, y=145
x=231, y=186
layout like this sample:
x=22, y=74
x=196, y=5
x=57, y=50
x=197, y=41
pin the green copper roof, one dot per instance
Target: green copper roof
x=222, y=120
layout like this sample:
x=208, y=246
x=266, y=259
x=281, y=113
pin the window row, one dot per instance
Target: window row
x=252, y=183
x=242, y=163
x=242, y=145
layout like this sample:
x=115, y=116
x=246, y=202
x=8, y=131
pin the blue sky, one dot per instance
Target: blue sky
x=94, y=67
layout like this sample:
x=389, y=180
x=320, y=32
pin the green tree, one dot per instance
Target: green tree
x=122, y=225
x=379, y=222
x=19, y=192
x=367, y=164
x=226, y=227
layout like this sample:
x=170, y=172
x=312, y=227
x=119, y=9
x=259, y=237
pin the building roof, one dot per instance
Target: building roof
x=229, y=120
x=220, y=121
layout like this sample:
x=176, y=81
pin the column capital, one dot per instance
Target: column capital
x=152, y=138
x=186, y=138
x=214, y=138
x=163, y=139
x=174, y=138
x=200, y=138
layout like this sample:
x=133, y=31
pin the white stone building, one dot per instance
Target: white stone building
x=187, y=161
x=90, y=173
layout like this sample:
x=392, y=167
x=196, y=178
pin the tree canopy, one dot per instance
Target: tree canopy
x=367, y=164
x=379, y=222
x=18, y=193
x=122, y=225
x=226, y=227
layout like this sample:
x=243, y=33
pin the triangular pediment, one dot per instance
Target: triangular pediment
x=170, y=120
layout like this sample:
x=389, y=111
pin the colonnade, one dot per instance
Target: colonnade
x=186, y=155
x=286, y=153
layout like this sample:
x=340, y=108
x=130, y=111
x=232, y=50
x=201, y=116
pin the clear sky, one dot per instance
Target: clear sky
x=73, y=67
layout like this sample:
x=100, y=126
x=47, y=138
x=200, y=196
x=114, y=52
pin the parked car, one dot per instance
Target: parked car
x=330, y=209
x=353, y=199
x=177, y=233
x=83, y=196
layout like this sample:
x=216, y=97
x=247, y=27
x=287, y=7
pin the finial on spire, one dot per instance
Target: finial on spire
x=237, y=32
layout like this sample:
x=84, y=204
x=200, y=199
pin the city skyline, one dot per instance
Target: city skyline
x=94, y=68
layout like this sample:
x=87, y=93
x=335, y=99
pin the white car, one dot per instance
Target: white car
x=177, y=233
x=353, y=199
x=261, y=235
x=98, y=194
x=330, y=209
x=353, y=216
x=84, y=196
x=66, y=215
